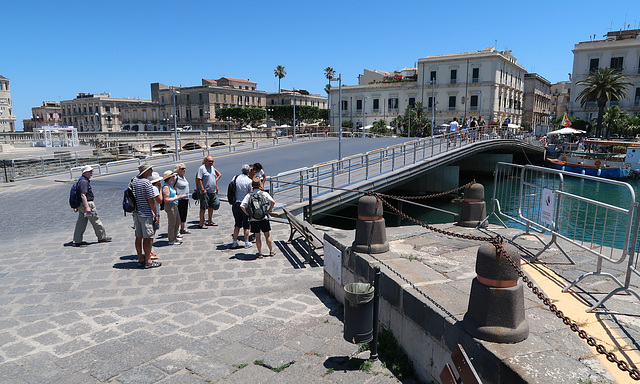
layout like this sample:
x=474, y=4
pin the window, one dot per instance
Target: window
x=636, y=100
x=201, y=113
x=359, y=105
x=412, y=101
x=144, y=115
x=107, y=109
x=392, y=104
x=473, y=103
x=452, y=103
x=376, y=104
x=475, y=75
x=162, y=99
x=188, y=98
x=594, y=64
x=199, y=96
x=90, y=109
x=430, y=102
x=454, y=76
x=616, y=63
x=433, y=76
x=345, y=105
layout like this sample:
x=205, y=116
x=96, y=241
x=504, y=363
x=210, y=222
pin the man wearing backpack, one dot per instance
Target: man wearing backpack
x=243, y=187
x=257, y=205
x=145, y=216
x=87, y=210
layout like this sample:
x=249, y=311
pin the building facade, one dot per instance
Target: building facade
x=95, y=112
x=7, y=119
x=537, y=100
x=301, y=97
x=48, y=114
x=560, y=97
x=619, y=50
x=487, y=83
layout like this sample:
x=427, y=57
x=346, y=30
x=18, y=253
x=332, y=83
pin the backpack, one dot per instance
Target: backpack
x=74, y=196
x=258, y=206
x=231, y=191
x=129, y=199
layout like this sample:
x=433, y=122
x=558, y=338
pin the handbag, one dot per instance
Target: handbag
x=196, y=195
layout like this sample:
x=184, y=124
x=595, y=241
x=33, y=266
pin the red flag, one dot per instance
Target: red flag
x=565, y=121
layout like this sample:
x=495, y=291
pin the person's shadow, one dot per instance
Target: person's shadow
x=130, y=263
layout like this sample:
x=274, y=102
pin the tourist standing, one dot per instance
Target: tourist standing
x=259, y=225
x=207, y=183
x=171, y=199
x=156, y=181
x=87, y=210
x=453, y=130
x=182, y=188
x=241, y=219
x=258, y=172
x=145, y=215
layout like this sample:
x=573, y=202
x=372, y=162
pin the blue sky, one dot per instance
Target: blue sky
x=53, y=50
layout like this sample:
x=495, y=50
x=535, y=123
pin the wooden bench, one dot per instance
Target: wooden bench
x=467, y=372
x=311, y=236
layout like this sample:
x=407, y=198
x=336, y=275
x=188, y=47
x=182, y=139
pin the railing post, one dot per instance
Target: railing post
x=414, y=153
x=366, y=167
x=301, y=187
x=349, y=174
x=333, y=175
x=393, y=158
x=310, y=210
x=42, y=162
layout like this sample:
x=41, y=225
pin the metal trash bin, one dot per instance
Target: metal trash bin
x=358, y=313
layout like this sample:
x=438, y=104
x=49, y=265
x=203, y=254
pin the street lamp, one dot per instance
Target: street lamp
x=339, y=80
x=175, y=122
x=364, y=113
x=98, y=121
x=432, y=82
x=294, y=114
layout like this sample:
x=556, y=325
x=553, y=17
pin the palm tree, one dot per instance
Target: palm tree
x=329, y=73
x=602, y=85
x=280, y=73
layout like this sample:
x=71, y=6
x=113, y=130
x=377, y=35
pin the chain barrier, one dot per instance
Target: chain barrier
x=439, y=194
x=497, y=242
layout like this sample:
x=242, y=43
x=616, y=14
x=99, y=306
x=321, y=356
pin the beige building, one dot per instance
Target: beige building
x=48, y=114
x=619, y=50
x=560, y=96
x=7, y=119
x=487, y=83
x=302, y=97
x=537, y=100
x=95, y=112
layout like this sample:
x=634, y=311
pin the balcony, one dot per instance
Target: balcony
x=473, y=108
x=591, y=104
x=451, y=109
x=453, y=81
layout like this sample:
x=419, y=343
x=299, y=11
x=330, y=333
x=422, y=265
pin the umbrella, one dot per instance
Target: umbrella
x=565, y=131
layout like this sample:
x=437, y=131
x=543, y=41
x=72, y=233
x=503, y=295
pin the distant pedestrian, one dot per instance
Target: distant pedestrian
x=87, y=211
x=145, y=215
x=259, y=225
x=241, y=219
x=453, y=130
x=207, y=183
x=258, y=171
x=182, y=188
x=156, y=181
x=171, y=199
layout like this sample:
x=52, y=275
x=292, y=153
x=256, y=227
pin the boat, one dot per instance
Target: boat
x=601, y=162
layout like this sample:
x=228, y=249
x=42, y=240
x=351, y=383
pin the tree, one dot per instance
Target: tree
x=616, y=120
x=241, y=116
x=280, y=73
x=329, y=73
x=602, y=85
x=380, y=128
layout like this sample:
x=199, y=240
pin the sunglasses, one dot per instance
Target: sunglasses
x=183, y=169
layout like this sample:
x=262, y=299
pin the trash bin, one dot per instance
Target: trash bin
x=358, y=313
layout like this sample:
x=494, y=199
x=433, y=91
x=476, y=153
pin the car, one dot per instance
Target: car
x=440, y=129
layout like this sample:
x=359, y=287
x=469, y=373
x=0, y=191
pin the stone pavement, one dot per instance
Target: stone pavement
x=209, y=314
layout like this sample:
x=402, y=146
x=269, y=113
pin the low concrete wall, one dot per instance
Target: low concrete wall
x=424, y=331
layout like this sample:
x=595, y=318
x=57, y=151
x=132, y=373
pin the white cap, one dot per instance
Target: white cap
x=87, y=168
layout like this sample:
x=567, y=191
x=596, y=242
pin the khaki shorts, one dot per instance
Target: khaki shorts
x=143, y=226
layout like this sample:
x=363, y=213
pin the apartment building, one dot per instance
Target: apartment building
x=95, y=112
x=487, y=83
x=560, y=97
x=7, y=119
x=537, y=100
x=48, y=114
x=619, y=50
x=300, y=96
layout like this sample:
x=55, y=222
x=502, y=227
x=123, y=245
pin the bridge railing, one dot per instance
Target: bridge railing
x=543, y=202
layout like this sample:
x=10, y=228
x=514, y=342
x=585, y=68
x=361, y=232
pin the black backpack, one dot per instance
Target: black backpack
x=231, y=191
x=129, y=199
x=258, y=206
x=74, y=198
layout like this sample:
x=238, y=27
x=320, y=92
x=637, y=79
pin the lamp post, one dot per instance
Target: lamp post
x=433, y=109
x=294, y=114
x=339, y=80
x=364, y=113
x=175, y=122
x=98, y=121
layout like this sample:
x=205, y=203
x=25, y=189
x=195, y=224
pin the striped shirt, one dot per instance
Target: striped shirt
x=143, y=190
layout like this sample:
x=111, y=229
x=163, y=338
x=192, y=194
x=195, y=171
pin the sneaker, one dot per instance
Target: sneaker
x=176, y=242
x=105, y=240
x=247, y=245
x=234, y=244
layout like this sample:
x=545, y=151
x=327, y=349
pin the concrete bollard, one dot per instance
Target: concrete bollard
x=496, y=301
x=473, y=209
x=371, y=233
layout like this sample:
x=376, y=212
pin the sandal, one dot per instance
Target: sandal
x=154, y=256
x=271, y=254
x=212, y=224
x=153, y=264
x=259, y=256
x=185, y=231
x=202, y=226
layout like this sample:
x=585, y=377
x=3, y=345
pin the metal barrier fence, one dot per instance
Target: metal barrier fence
x=540, y=199
x=289, y=185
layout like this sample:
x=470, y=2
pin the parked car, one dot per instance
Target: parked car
x=440, y=129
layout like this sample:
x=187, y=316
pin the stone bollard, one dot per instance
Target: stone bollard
x=496, y=301
x=371, y=233
x=473, y=209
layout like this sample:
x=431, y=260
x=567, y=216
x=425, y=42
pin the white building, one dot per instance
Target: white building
x=7, y=119
x=487, y=83
x=619, y=50
x=95, y=112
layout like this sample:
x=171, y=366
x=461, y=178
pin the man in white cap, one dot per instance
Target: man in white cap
x=146, y=215
x=87, y=211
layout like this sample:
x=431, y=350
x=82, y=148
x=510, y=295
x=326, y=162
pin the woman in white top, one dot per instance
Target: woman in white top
x=182, y=188
x=258, y=172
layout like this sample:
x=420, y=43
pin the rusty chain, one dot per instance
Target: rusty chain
x=439, y=194
x=497, y=242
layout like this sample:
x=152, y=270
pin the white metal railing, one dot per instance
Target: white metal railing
x=539, y=199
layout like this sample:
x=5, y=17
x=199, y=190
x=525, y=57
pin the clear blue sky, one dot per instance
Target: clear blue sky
x=53, y=50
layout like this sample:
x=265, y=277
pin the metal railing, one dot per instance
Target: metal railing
x=540, y=199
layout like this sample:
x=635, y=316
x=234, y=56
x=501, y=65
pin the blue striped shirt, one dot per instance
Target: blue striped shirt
x=143, y=190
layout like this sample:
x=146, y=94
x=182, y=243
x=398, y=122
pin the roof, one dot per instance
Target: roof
x=237, y=80
x=208, y=81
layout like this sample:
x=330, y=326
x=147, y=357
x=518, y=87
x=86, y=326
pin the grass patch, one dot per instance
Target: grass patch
x=366, y=366
x=240, y=366
x=363, y=347
x=258, y=362
x=328, y=372
x=396, y=359
x=277, y=369
x=410, y=257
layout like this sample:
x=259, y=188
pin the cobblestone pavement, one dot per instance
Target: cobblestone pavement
x=209, y=314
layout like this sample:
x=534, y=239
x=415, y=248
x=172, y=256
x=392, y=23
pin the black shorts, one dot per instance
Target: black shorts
x=262, y=225
x=240, y=218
